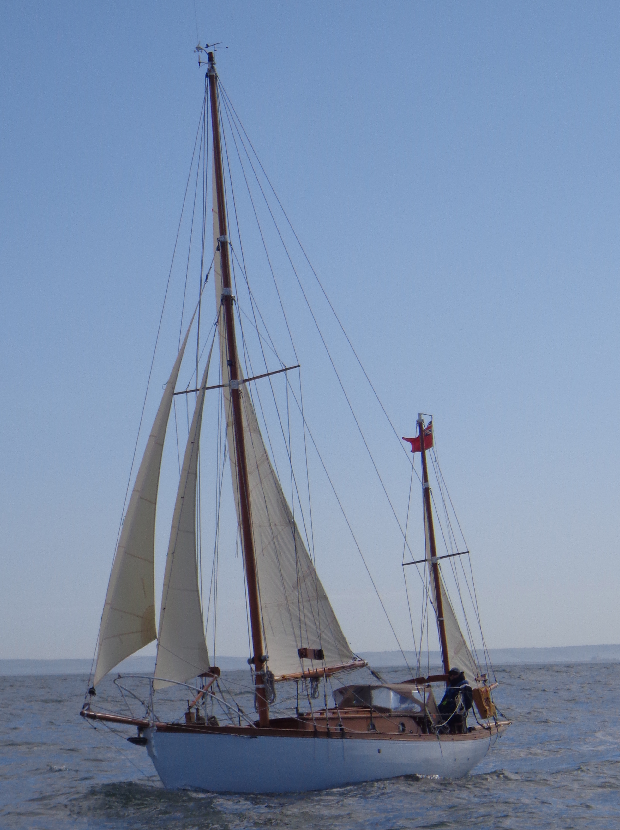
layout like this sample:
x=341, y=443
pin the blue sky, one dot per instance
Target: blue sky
x=453, y=172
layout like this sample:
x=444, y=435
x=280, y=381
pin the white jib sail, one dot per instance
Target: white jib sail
x=128, y=619
x=181, y=646
x=459, y=655
x=295, y=610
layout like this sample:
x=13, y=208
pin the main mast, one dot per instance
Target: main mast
x=258, y=658
x=436, y=576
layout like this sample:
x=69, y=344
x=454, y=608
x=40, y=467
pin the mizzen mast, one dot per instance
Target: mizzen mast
x=435, y=575
x=258, y=658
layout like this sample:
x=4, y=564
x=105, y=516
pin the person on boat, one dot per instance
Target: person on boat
x=456, y=702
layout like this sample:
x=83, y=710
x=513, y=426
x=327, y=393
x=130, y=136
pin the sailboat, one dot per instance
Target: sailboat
x=375, y=728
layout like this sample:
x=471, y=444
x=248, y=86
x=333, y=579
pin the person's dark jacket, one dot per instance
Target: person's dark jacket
x=449, y=702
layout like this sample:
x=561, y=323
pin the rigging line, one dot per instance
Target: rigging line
x=267, y=339
x=204, y=177
x=191, y=234
x=331, y=360
x=150, y=374
x=176, y=424
x=221, y=455
x=415, y=647
x=161, y=316
x=227, y=99
x=262, y=490
x=474, y=599
x=197, y=143
x=473, y=584
x=266, y=427
x=113, y=746
x=455, y=567
x=243, y=271
x=199, y=502
x=289, y=455
x=270, y=344
x=316, y=447
x=472, y=644
x=170, y=556
x=254, y=306
x=252, y=300
x=260, y=231
x=357, y=545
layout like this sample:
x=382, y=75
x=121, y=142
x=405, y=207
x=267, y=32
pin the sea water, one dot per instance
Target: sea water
x=558, y=766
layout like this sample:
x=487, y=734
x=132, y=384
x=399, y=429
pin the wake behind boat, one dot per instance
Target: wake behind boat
x=348, y=724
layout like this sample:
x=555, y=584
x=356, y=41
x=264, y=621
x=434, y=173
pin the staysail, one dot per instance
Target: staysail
x=128, y=619
x=181, y=646
x=295, y=610
x=458, y=650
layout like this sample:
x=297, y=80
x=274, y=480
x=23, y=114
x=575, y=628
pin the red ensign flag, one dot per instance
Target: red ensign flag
x=428, y=440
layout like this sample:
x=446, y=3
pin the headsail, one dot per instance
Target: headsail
x=181, y=647
x=128, y=619
x=295, y=610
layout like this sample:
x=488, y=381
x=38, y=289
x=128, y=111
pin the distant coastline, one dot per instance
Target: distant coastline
x=378, y=659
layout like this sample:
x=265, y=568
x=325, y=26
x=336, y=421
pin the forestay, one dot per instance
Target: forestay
x=128, y=619
x=295, y=610
x=181, y=647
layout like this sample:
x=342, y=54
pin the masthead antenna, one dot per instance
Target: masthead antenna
x=202, y=50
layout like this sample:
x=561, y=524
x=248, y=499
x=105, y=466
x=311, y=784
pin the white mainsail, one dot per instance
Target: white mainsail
x=295, y=610
x=181, y=646
x=128, y=619
x=458, y=651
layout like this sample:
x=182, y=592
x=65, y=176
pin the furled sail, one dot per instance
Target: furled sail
x=181, y=647
x=128, y=619
x=458, y=651
x=295, y=610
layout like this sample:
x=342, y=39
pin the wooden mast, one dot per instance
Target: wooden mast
x=443, y=640
x=258, y=658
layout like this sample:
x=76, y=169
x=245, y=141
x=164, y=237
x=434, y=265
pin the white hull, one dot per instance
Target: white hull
x=278, y=764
